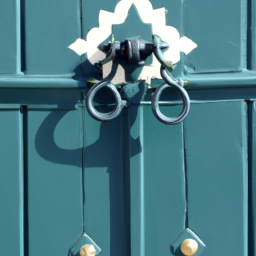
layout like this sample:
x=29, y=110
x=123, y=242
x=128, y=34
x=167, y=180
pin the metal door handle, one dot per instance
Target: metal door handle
x=103, y=117
x=178, y=85
x=135, y=51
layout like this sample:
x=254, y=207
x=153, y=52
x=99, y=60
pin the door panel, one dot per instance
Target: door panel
x=105, y=205
x=157, y=187
x=50, y=27
x=218, y=29
x=9, y=36
x=53, y=180
x=11, y=182
x=132, y=184
x=217, y=182
x=252, y=177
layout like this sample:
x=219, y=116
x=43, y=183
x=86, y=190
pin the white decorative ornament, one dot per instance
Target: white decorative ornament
x=155, y=17
x=79, y=46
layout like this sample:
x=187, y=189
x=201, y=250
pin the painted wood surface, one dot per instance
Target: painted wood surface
x=9, y=36
x=50, y=26
x=123, y=182
x=174, y=14
x=251, y=36
x=121, y=166
x=217, y=176
x=134, y=181
x=11, y=182
x=219, y=29
x=41, y=48
x=90, y=16
x=221, y=41
x=54, y=196
x=105, y=206
x=252, y=178
x=157, y=182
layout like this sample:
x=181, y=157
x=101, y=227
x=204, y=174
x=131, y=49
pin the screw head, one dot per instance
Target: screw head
x=87, y=250
x=189, y=247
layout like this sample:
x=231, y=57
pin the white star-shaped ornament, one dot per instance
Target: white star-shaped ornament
x=155, y=17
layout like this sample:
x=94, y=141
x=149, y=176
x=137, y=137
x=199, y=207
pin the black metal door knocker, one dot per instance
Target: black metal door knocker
x=135, y=51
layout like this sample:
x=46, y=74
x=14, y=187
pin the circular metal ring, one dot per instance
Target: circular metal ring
x=155, y=101
x=155, y=105
x=103, y=117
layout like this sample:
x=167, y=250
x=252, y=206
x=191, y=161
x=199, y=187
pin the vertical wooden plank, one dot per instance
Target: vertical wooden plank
x=50, y=27
x=252, y=177
x=105, y=215
x=217, y=28
x=11, y=183
x=54, y=180
x=251, y=54
x=216, y=155
x=157, y=182
x=137, y=181
x=9, y=36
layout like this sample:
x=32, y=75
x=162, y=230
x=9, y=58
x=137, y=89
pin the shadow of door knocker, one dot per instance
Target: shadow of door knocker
x=135, y=51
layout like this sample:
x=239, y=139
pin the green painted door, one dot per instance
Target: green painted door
x=132, y=186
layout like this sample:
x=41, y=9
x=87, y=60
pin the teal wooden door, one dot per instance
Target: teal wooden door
x=132, y=186
x=217, y=175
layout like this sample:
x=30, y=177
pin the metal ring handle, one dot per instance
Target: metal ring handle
x=103, y=117
x=155, y=100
